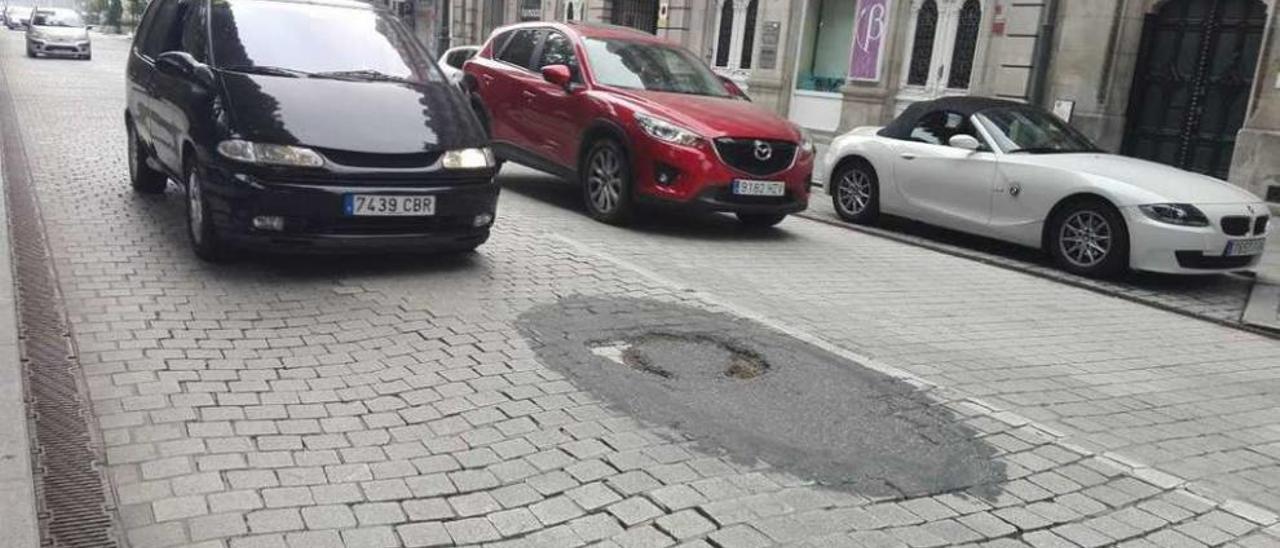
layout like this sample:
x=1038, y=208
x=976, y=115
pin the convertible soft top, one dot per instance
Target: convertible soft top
x=900, y=127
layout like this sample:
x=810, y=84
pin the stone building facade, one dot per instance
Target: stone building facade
x=1192, y=83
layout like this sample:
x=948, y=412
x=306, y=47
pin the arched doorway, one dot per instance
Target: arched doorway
x=1192, y=82
x=637, y=14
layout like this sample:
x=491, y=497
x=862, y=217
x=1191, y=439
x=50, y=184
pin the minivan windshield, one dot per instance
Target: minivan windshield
x=295, y=39
x=57, y=19
x=651, y=66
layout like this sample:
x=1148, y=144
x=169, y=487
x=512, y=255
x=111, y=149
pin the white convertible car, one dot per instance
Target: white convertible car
x=1017, y=173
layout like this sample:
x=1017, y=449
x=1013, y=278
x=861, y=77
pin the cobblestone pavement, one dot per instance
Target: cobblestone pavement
x=1218, y=298
x=395, y=402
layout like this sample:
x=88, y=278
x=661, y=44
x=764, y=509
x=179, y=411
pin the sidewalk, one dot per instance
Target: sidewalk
x=17, y=491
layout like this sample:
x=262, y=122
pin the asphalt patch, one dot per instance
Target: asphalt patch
x=735, y=386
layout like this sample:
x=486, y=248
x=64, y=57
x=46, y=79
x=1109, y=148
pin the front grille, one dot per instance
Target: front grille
x=358, y=226
x=1198, y=260
x=741, y=154
x=1260, y=225
x=394, y=161
x=1235, y=225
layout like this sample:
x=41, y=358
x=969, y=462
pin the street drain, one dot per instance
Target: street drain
x=753, y=394
x=73, y=505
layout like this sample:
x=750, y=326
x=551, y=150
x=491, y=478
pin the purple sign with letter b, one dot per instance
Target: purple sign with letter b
x=868, y=40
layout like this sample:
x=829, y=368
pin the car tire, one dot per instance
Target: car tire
x=855, y=192
x=606, y=183
x=201, y=232
x=1089, y=238
x=31, y=53
x=761, y=220
x=143, y=179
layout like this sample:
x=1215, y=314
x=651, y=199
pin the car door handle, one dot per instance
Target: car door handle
x=488, y=78
x=528, y=94
x=907, y=156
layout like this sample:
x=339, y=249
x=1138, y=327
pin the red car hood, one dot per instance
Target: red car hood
x=714, y=117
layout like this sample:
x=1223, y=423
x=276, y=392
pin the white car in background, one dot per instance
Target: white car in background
x=452, y=60
x=58, y=32
x=1017, y=173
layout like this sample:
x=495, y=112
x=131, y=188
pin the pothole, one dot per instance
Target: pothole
x=754, y=394
x=663, y=354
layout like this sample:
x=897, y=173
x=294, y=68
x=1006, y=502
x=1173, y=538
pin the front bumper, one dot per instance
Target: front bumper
x=704, y=182
x=314, y=221
x=1160, y=247
x=69, y=49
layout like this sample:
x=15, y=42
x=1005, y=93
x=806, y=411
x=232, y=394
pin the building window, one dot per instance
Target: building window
x=749, y=34
x=573, y=10
x=827, y=46
x=637, y=14
x=724, y=38
x=966, y=45
x=922, y=44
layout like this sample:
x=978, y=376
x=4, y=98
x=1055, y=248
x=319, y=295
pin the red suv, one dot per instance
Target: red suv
x=635, y=119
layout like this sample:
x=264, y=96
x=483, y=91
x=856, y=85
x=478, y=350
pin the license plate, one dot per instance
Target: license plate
x=388, y=205
x=1238, y=248
x=759, y=188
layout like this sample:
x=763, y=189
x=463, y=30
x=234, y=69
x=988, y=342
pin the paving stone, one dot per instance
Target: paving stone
x=417, y=535
x=471, y=531
x=634, y=510
x=685, y=524
x=328, y=517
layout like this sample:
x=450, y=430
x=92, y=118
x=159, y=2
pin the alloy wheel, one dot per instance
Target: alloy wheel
x=604, y=180
x=854, y=192
x=1085, y=239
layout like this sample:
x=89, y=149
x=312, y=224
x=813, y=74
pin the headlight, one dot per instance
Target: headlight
x=1176, y=214
x=806, y=140
x=37, y=35
x=663, y=130
x=268, y=154
x=468, y=158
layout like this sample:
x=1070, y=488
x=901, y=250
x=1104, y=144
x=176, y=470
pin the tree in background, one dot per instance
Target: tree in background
x=136, y=8
x=114, y=11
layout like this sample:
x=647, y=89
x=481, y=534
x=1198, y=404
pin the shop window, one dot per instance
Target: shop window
x=966, y=45
x=922, y=44
x=828, y=42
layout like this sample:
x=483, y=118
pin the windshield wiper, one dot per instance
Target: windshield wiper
x=365, y=75
x=268, y=71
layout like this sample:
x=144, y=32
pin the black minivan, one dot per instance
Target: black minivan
x=316, y=125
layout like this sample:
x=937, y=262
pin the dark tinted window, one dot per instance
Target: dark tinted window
x=162, y=32
x=56, y=18
x=557, y=50
x=195, y=35
x=500, y=41
x=937, y=128
x=254, y=34
x=519, y=49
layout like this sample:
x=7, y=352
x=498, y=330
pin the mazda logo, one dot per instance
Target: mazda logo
x=763, y=151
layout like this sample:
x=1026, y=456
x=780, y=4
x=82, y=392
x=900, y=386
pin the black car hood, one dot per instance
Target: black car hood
x=356, y=116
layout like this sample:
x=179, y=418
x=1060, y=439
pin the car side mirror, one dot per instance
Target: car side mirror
x=181, y=64
x=967, y=142
x=559, y=75
x=733, y=88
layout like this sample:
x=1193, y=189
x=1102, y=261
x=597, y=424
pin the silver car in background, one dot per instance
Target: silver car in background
x=58, y=32
x=15, y=16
